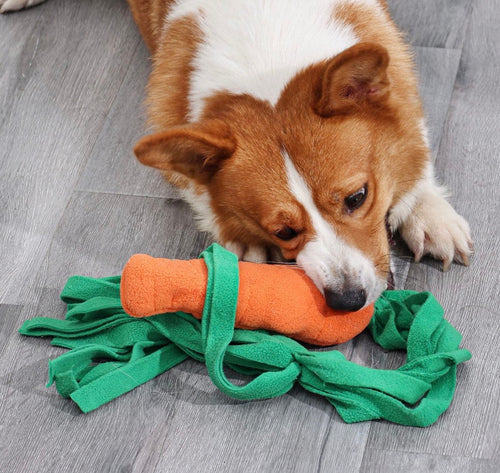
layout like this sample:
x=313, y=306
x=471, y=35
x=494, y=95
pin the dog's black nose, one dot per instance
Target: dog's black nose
x=350, y=300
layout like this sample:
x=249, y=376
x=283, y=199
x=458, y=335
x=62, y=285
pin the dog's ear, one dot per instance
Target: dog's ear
x=196, y=150
x=354, y=78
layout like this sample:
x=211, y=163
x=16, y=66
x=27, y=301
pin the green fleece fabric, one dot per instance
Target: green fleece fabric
x=112, y=353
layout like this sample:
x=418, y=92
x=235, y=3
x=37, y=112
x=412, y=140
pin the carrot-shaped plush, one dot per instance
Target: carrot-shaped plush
x=272, y=297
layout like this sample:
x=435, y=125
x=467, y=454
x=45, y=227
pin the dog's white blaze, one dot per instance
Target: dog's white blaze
x=327, y=259
x=256, y=47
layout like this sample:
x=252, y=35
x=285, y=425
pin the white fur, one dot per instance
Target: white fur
x=403, y=209
x=435, y=228
x=256, y=47
x=328, y=260
x=425, y=133
x=429, y=224
x=200, y=202
x=12, y=5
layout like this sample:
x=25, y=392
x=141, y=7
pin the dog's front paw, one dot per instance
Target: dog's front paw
x=13, y=5
x=434, y=228
x=252, y=254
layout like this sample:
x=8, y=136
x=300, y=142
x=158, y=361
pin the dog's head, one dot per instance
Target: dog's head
x=309, y=175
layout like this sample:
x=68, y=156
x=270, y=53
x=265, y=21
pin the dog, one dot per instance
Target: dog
x=296, y=127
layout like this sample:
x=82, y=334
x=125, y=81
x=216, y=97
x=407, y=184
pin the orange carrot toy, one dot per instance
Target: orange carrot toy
x=273, y=297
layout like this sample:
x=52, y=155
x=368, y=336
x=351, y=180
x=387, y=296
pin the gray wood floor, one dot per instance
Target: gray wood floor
x=74, y=201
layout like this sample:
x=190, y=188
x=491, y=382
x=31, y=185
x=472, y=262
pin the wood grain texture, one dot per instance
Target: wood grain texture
x=10, y=317
x=437, y=70
x=57, y=94
x=432, y=23
x=100, y=232
x=112, y=166
x=96, y=235
x=380, y=461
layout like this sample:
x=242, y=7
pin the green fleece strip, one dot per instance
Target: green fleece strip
x=112, y=353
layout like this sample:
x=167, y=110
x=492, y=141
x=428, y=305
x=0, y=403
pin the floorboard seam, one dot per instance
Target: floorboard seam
x=460, y=62
x=105, y=119
x=433, y=454
x=123, y=194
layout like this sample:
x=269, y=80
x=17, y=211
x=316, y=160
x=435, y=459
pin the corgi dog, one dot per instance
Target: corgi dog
x=295, y=127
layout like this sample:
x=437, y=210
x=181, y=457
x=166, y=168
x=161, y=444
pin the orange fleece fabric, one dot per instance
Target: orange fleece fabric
x=279, y=298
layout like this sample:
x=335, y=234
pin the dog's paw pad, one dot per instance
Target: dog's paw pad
x=434, y=228
x=13, y=5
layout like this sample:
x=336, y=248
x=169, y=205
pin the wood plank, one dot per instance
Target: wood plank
x=210, y=434
x=99, y=232
x=96, y=235
x=380, y=461
x=468, y=163
x=10, y=318
x=437, y=70
x=112, y=167
x=432, y=23
x=56, y=92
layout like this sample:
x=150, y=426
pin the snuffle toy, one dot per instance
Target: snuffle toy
x=184, y=309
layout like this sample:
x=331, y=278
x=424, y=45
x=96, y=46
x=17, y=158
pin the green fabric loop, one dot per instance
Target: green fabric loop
x=112, y=353
x=218, y=321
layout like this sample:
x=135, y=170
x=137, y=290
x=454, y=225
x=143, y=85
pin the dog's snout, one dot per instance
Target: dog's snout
x=348, y=300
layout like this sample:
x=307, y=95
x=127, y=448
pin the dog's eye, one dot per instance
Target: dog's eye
x=286, y=233
x=354, y=201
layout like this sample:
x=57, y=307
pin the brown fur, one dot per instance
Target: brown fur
x=150, y=17
x=168, y=87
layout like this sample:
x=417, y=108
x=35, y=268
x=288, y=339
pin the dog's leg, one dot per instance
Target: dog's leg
x=429, y=224
x=12, y=5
